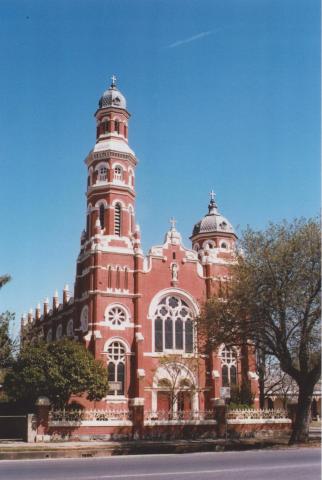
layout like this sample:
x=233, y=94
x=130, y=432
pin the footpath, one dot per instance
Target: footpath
x=11, y=450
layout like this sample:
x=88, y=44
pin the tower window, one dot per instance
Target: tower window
x=102, y=215
x=117, y=219
x=102, y=174
x=117, y=126
x=118, y=173
x=125, y=131
x=109, y=277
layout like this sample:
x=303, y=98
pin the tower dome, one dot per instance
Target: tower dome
x=112, y=97
x=213, y=221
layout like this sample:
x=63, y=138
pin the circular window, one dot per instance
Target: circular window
x=116, y=316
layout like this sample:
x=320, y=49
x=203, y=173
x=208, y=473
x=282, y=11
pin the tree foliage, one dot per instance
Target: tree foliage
x=7, y=344
x=273, y=301
x=56, y=370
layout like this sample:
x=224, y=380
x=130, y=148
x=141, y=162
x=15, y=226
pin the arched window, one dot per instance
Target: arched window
x=102, y=174
x=70, y=328
x=223, y=245
x=173, y=326
x=59, y=332
x=228, y=366
x=117, y=219
x=106, y=126
x=102, y=215
x=118, y=173
x=116, y=368
x=84, y=319
x=117, y=126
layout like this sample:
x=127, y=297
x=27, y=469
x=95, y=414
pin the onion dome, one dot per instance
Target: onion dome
x=112, y=97
x=213, y=221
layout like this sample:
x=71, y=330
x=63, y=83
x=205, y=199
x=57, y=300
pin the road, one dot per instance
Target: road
x=295, y=463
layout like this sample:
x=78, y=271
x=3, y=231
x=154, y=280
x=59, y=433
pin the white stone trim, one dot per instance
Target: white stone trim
x=253, y=421
x=91, y=423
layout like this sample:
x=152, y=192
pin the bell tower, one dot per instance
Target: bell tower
x=111, y=239
x=111, y=172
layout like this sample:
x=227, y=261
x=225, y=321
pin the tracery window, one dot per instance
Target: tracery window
x=116, y=368
x=173, y=326
x=116, y=316
x=228, y=366
x=117, y=219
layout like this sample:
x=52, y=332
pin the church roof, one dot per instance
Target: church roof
x=213, y=221
x=112, y=97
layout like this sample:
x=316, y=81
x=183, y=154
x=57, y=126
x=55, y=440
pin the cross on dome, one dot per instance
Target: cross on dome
x=113, y=78
x=212, y=195
x=173, y=222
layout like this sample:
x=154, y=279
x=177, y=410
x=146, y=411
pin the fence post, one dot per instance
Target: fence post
x=220, y=415
x=31, y=428
x=42, y=412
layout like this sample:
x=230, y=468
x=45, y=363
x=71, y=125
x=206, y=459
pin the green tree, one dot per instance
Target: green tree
x=56, y=370
x=7, y=344
x=273, y=301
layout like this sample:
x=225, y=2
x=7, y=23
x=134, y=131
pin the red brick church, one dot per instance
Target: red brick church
x=135, y=312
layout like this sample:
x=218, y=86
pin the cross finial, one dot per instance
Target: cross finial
x=212, y=195
x=113, y=78
x=173, y=222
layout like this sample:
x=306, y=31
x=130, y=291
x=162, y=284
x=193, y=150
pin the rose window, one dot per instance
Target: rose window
x=116, y=316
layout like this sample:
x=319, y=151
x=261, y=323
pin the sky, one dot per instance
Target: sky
x=224, y=95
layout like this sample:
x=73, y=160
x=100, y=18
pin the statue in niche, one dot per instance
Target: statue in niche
x=174, y=272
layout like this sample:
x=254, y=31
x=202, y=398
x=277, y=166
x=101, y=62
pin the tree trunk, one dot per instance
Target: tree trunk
x=300, y=432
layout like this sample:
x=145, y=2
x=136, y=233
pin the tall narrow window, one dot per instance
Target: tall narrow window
x=117, y=126
x=233, y=375
x=168, y=330
x=88, y=224
x=118, y=280
x=125, y=131
x=225, y=377
x=179, y=334
x=158, y=334
x=109, y=277
x=189, y=336
x=117, y=219
x=102, y=215
x=126, y=279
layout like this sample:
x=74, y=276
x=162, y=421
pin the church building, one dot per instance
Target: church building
x=135, y=312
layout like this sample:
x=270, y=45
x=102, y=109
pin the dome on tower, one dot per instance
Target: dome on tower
x=213, y=221
x=112, y=97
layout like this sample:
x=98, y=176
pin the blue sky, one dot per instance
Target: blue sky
x=223, y=95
